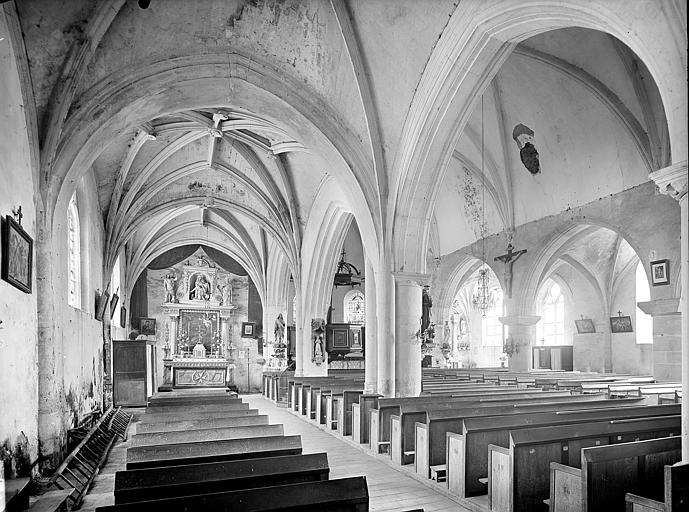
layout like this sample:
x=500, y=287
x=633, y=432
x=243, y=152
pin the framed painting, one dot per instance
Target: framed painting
x=147, y=326
x=101, y=304
x=585, y=326
x=248, y=329
x=660, y=274
x=113, y=304
x=123, y=317
x=621, y=324
x=17, y=255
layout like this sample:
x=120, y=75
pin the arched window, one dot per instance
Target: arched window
x=554, y=316
x=354, y=307
x=644, y=322
x=74, y=254
x=294, y=310
x=491, y=327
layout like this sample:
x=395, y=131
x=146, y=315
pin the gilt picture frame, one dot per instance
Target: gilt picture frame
x=17, y=255
x=620, y=324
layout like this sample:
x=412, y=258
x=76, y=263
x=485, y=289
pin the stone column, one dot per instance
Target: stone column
x=385, y=376
x=371, y=345
x=673, y=182
x=407, y=322
x=521, y=335
x=667, y=346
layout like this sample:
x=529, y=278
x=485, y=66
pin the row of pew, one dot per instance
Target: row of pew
x=207, y=450
x=507, y=442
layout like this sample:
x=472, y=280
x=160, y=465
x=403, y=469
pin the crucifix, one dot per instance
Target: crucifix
x=509, y=259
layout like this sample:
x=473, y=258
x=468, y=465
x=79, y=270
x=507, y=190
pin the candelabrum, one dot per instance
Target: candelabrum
x=184, y=343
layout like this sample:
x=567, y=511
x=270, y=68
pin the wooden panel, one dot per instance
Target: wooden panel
x=374, y=431
x=396, y=439
x=565, y=488
x=356, y=424
x=455, y=463
x=129, y=373
x=499, y=479
x=532, y=471
x=421, y=461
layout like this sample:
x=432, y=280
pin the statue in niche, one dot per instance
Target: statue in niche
x=279, y=330
x=318, y=336
x=426, y=305
x=201, y=289
x=225, y=293
x=447, y=333
x=524, y=137
x=169, y=284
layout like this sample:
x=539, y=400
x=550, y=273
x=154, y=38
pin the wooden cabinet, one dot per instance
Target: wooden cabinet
x=129, y=361
x=553, y=357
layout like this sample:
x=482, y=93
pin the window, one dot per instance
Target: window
x=354, y=307
x=294, y=310
x=491, y=327
x=74, y=254
x=554, y=316
x=644, y=322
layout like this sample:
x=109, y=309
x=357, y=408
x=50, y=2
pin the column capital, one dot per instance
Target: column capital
x=671, y=180
x=660, y=307
x=411, y=278
x=525, y=320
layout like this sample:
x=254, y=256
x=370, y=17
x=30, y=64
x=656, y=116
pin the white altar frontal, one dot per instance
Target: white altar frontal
x=198, y=350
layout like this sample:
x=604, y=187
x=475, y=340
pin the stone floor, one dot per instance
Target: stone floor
x=391, y=488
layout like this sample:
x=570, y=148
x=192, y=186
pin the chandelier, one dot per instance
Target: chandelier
x=482, y=299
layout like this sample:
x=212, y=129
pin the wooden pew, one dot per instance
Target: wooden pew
x=206, y=434
x=360, y=416
x=403, y=425
x=212, y=451
x=232, y=405
x=466, y=451
x=431, y=436
x=311, y=393
x=154, y=417
x=292, y=382
x=341, y=495
x=676, y=492
x=326, y=410
x=519, y=476
x=203, y=423
x=379, y=419
x=154, y=404
x=166, y=482
x=608, y=472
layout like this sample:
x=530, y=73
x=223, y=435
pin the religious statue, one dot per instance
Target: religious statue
x=317, y=335
x=225, y=293
x=201, y=261
x=201, y=289
x=426, y=305
x=447, y=333
x=169, y=285
x=524, y=137
x=279, y=329
x=509, y=259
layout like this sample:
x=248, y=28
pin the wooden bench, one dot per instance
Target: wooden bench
x=608, y=472
x=198, y=424
x=186, y=480
x=231, y=405
x=154, y=417
x=402, y=426
x=293, y=382
x=431, y=436
x=206, y=434
x=349, y=398
x=155, y=404
x=341, y=495
x=313, y=391
x=17, y=494
x=676, y=492
x=519, y=476
x=212, y=451
x=466, y=450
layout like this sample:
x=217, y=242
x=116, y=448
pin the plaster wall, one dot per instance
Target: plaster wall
x=18, y=330
x=78, y=332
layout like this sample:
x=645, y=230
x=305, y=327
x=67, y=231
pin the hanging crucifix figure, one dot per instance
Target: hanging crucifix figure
x=509, y=259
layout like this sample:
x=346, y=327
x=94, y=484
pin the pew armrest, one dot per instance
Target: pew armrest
x=637, y=503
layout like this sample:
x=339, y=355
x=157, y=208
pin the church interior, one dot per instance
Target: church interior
x=390, y=231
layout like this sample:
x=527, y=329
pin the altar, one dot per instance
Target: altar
x=198, y=349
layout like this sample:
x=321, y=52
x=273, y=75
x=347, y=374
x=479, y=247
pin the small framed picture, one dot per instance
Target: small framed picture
x=660, y=274
x=17, y=255
x=248, y=329
x=101, y=304
x=621, y=324
x=123, y=317
x=585, y=326
x=147, y=326
x=113, y=304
